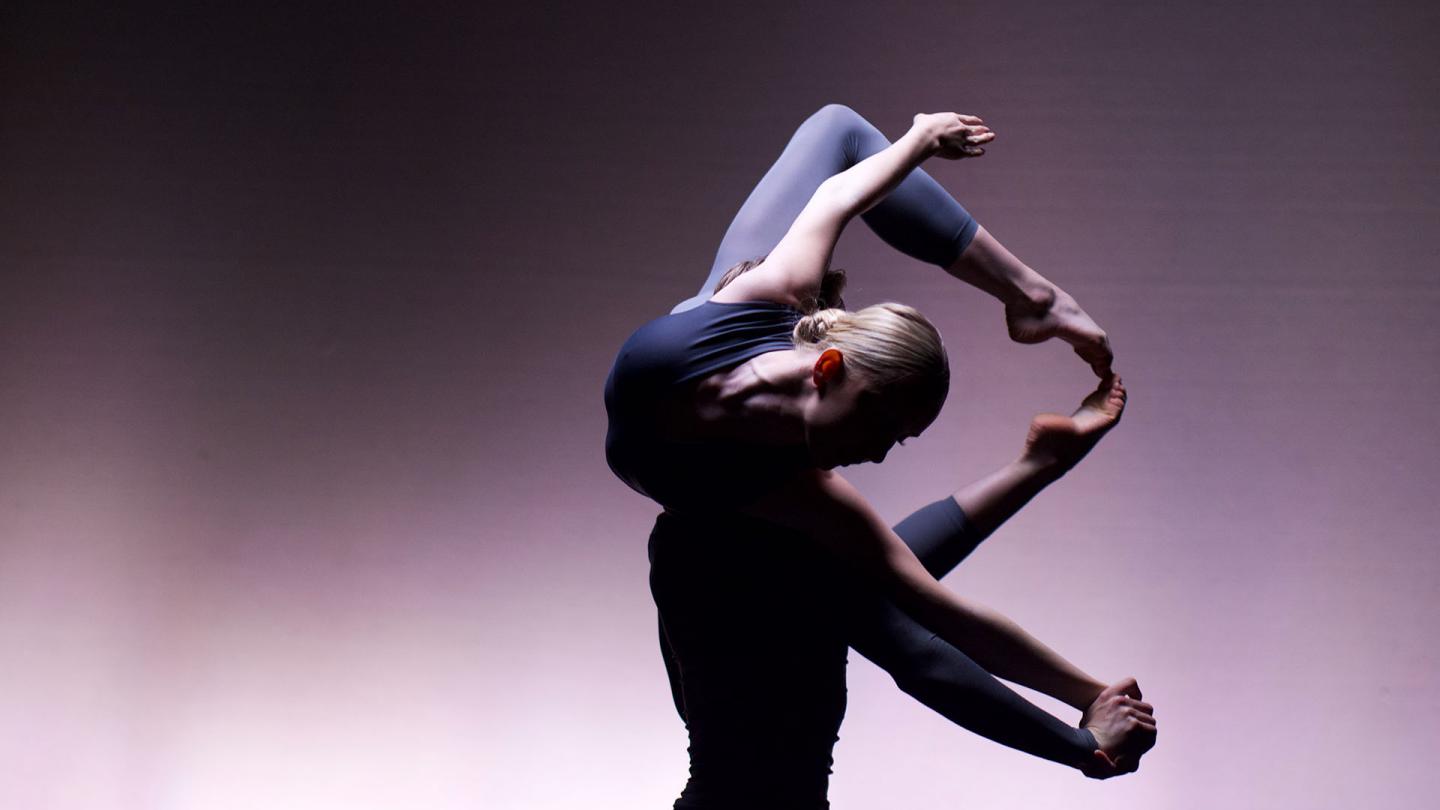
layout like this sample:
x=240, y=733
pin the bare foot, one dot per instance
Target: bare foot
x=1059, y=442
x=1055, y=314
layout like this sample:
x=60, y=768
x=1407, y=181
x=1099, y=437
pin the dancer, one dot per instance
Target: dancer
x=732, y=413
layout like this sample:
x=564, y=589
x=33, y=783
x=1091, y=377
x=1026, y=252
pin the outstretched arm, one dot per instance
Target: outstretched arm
x=828, y=509
x=1112, y=732
x=942, y=534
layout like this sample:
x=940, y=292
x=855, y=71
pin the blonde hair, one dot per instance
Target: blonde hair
x=891, y=345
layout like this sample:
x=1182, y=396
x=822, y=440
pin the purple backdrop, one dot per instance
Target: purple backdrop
x=304, y=319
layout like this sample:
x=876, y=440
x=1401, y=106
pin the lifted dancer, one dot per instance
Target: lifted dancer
x=733, y=412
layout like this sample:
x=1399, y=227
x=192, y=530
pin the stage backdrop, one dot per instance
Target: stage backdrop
x=305, y=315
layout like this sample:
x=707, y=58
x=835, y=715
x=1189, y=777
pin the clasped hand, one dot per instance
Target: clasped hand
x=1124, y=728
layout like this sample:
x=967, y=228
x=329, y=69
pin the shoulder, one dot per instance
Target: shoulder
x=814, y=501
x=682, y=346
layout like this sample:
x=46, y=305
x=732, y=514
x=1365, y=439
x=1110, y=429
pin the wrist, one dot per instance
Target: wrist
x=1086, y=692
x=1086, y=747
x=926, y=135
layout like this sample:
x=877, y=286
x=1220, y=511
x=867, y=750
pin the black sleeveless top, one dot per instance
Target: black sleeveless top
x=694, y=477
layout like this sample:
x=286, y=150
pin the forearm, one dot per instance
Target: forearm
x=949, y=682
x=865, y=184
x=995, y=642
x=1008, y=651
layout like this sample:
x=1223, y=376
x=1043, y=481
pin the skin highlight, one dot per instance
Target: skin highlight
x=806, y=396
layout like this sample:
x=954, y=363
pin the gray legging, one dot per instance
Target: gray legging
x=919, y=218
x=754, y=624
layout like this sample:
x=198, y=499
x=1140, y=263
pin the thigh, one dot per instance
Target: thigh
x=823, y=145
x=819, y=148
x=918, y=217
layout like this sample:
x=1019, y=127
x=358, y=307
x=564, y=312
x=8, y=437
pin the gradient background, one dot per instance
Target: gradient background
x=305, y=315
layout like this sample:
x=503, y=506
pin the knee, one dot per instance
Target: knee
x=835, y=115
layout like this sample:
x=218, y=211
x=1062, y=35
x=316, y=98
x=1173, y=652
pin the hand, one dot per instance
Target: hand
x=1124, y=727
x=958, y=136
x=1055, y=314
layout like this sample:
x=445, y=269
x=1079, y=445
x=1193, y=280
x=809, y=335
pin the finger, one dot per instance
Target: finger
x=969, y=119
x=1101, y=766
x=980, y=137
x=1142, y=706
x=974, y=151
x=1131, y=687
x=1140, y=716
x=1128, y=762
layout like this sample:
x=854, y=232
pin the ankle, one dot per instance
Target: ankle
x=1044, y=468
x=1032, y=293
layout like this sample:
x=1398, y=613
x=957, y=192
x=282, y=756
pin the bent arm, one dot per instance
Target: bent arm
x=860, y=187
x=1004, y=648
x=793, y=269
x=827, y=508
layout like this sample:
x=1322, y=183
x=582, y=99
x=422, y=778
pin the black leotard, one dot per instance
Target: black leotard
x=661, y=357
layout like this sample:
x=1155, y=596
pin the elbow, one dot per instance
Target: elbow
x=838, y=194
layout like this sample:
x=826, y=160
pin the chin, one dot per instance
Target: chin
x=820, y=462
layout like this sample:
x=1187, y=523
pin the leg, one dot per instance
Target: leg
x=918, y=218
x=943, y=533
x=672, y=671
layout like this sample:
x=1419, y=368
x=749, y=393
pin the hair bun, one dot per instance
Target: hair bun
x=812, y=328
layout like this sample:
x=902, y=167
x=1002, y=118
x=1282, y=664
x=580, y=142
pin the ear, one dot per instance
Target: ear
x=829, y=367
